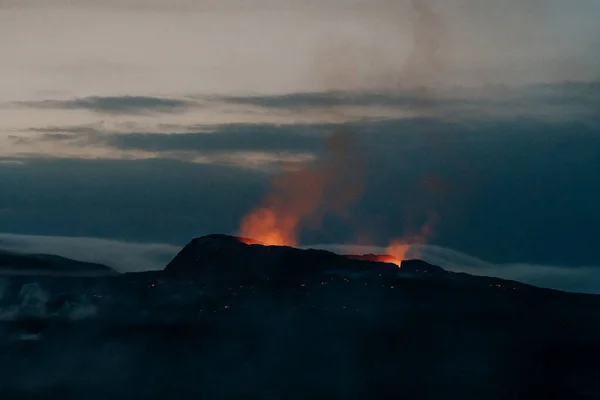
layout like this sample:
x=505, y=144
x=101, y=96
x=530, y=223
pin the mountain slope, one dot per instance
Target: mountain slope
x=223, y=258
x=19, y=263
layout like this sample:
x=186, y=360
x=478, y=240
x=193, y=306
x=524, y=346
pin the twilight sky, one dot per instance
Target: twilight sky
x=142, y=124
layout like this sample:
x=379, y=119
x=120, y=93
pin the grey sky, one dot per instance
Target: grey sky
x=85, y=48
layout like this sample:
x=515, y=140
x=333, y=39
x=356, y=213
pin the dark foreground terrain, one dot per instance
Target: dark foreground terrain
x=229, y=320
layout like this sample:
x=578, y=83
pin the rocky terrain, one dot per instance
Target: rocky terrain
x=226, y=319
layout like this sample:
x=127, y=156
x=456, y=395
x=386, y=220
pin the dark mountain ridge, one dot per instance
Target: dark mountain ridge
x=228, y=257
x=224, y=258
x=21, y=263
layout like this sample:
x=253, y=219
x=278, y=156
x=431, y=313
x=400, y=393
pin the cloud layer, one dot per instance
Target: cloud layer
x=124, y=105
x=121, y=256
x=276, y=129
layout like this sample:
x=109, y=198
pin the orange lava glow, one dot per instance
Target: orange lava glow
x=249, y=241
x=397, y=251
x=388, y=259
x=270, y=227
x=267, y=226
x=377, y=257
x=303, y=196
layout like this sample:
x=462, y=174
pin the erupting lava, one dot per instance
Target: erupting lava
x=396, y=252
x=399, y=248
x=270, y=227
x=304, y=196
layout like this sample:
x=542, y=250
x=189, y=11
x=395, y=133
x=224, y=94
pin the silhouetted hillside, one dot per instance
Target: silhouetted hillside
x=224, y=257
x=229, y=320
x=18, y=263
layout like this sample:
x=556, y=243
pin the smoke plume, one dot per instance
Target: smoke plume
x=303, y=197
x=424, y=64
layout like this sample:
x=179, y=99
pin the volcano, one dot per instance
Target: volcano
x=224, y=257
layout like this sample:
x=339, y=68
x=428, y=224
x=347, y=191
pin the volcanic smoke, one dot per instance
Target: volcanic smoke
x=304, y=196
x=424, y=64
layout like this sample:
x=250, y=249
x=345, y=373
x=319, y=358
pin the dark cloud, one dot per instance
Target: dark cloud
x=237, y=138
x=405, y=100
x=326, y=99
x=492, y=114
x=578, y=93
x=145, y=200
x=116, y=104
x=221, y=139
x=406, y=137
x=570, y=98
